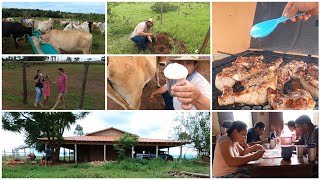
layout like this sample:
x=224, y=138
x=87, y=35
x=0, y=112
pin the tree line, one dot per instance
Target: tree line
x=29, y=13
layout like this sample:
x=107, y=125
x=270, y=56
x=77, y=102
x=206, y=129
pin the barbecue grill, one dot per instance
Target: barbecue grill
x=300, y=39
x=269, y=56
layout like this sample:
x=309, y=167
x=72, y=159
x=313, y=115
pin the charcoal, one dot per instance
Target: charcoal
x=246, y=108
x=256, y=108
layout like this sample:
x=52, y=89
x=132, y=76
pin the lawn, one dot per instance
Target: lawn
x=8, y=47
x=189, y=24
x=130, y=168
x=12, y=86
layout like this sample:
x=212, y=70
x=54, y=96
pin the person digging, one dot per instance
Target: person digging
x=141, y=34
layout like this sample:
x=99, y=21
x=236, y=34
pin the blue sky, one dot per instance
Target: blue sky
x=75, y=7
x=147, y=124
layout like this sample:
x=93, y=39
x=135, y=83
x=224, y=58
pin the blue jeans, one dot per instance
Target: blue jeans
x=38, y=94
x=168, y=100
x=141, y=42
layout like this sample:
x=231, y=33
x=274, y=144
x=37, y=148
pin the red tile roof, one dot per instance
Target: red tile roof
x=113, y=139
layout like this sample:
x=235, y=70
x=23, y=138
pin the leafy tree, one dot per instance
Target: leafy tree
x=124, y=143
x=194, y=127
x=78, y=130
x=34, y=125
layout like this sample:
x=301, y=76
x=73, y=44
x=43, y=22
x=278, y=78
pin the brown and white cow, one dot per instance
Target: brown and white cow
x=72, y=42
x=127, y=77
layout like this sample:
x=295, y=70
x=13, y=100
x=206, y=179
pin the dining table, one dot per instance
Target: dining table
x=273, y=165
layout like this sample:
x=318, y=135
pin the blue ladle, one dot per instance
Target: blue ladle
x=264, y=28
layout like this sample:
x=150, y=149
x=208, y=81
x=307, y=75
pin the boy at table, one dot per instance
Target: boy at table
x=308, y=131
x=253, y=136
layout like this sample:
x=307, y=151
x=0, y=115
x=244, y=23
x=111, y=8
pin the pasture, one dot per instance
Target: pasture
x=12, y=85
x=186, y=26
x=130, y=168
x=8, y=47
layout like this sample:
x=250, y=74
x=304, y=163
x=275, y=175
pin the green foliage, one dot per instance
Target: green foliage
x=195, y=128
x=124, y=143
x=165, y=6
x=41, y=124
x=78, y=130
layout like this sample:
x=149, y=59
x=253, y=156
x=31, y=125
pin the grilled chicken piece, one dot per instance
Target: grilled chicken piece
x=297, y=100
x=243, y=68
x=310, y=81
x=293, y=69
x=255, y=90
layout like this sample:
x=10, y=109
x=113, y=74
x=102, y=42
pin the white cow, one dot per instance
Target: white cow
x=70, y=42
x=43, y=26
x=10, y=19
x=101, y=26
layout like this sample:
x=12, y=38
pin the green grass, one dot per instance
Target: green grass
x=8, y=47
x=12, y=89
x=130, y=168
x=189, y=25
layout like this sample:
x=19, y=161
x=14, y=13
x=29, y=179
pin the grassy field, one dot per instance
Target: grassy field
x=189, y=25
x=131, y=168
x=12, y=86
x=8, y=47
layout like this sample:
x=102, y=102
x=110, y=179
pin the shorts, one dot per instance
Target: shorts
x=62, y=92
x=48, y=158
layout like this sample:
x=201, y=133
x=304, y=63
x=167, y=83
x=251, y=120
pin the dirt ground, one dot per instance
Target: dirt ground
x=158, y=103
x=164, y=44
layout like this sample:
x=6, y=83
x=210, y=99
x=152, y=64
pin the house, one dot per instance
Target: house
x=98, y=146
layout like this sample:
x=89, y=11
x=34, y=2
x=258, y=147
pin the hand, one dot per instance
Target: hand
x=186, y=92
x=259, y=147
x=257, y=155
x=265, y=140
x=151, y=98
x=292, y=8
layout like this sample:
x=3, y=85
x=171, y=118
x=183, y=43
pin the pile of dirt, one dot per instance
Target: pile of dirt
x=97, y=163
x=164, y=44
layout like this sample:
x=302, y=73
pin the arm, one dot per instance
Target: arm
x=160, y=90
x=258, y=142
x=187, y=93
x=140, y=31
x=234, y=161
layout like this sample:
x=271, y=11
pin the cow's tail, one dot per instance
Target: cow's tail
x=116, y=97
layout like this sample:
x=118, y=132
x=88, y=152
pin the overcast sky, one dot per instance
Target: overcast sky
x=74, y=7
x=147, y=124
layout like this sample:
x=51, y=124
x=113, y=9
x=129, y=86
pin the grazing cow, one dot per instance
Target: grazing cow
x=71, y=42
x=15, y=30
x=9, y=19
x=127, y=77
x=101, y=26
x=85, y=27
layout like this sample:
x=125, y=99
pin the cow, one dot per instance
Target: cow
x=9, y=19
x=44, y=26
x=71, y=42
x=101, y=26
x=127, y=77
x=16, y=30
x=85, y=27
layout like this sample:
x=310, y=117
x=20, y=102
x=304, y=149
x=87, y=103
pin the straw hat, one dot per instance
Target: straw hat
x=202, y=61
x=152, y=20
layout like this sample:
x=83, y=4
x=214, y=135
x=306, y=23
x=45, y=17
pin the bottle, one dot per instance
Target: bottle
x=286, y=137
x=273, y=134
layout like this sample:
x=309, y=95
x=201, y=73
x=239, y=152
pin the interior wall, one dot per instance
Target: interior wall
x=231, y=25
x=262, y=117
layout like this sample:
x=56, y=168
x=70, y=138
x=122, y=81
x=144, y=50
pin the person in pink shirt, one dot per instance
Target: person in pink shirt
x=46, y=91
x=62, y=87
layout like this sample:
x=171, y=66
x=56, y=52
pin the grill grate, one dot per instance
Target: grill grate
x=269, y=56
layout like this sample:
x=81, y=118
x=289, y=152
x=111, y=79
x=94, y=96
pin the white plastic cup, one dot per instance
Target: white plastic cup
x=174, y=73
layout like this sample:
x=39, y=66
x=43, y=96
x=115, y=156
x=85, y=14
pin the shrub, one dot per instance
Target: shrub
x=166, y=7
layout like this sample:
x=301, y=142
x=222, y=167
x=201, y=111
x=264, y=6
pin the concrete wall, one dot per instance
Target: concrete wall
x=231, y=24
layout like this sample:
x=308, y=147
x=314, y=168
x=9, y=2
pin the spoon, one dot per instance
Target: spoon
x=264, y=28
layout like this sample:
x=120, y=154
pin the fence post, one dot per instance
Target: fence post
x=24, y=77
x=83, y=87
x=204, y=43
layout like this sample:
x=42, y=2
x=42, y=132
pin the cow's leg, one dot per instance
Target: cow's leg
x=116, y=97
x=157, y=75
x=135, y=99
x=15, y=40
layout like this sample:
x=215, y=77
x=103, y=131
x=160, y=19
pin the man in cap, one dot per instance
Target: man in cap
x=193, y=93
x=142, y=35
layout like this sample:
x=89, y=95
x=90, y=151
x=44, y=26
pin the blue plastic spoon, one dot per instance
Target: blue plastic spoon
x=264, y=28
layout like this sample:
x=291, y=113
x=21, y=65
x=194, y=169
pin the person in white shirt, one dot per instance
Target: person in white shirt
x=193, y=93
x=142, y=35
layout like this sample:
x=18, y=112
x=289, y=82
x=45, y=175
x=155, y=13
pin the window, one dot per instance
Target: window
x=244, y=116
x=293, y=115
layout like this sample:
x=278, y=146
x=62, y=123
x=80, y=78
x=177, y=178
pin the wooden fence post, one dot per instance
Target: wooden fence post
x=83, y=87
x=205, y=42
x=24, y=74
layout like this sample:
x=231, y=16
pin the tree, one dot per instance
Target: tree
x=34, y=125
x=78, y=130
x=194, y=127
x=124, y=143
